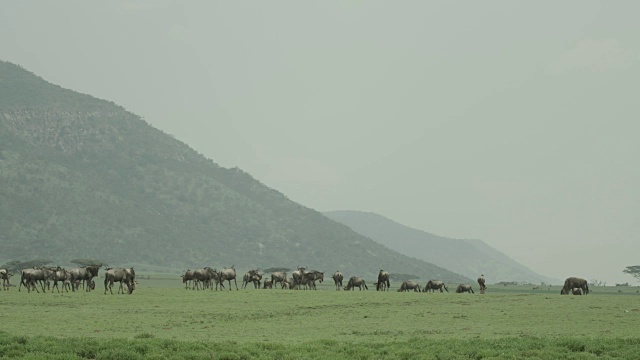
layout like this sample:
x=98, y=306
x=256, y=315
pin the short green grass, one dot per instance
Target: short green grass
x=161, y=319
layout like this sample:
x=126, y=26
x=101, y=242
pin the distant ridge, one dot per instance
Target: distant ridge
x=467, y=257
x=84, y=178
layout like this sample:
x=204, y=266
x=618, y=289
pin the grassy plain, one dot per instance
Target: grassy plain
x=163, y=320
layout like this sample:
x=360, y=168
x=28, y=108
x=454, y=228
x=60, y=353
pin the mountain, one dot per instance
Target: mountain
x=83, y=178
x=467, y=257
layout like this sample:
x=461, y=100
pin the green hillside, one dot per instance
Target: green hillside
x=464, y=256
x=84, y=178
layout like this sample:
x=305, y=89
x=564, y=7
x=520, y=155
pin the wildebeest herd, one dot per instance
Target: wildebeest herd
x=71, y=279
x=208, y=278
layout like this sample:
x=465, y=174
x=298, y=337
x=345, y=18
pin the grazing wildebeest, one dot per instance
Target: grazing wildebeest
x=337, y=278
x=409, y=285
x=464, y=288
x=356, y=281
x=5, y=275
x=252, y=276
x=575, y=282
x=83, y=274
x=120, y=275
x=187, y=277
x=481, y=284
x=383, y=281
x=228, y=275
x=433, y=285
x=278, y=277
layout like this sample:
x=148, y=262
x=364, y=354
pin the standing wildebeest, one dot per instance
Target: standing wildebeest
x=228, y=275
x=383, y=281
x=267, y=283
x=356, y=281
x=252, y=276
x=481, y=284
x=434, y=285
x=187, y=277
x=464, y=288
x=337, y=278
x=309, y=279
x=205, y=276
x=278, y=277
x=83, y=274
x=575, y=282
x=123, y=276
x=297, y=276
x=409, y=285
x=5, y=275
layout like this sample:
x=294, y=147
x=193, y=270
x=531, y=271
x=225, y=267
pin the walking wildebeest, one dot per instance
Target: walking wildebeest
x=464, y=288
x=337, y=278
x=228, y=275
x=252, y=276
x=434, y=285
x=481, y=284
x=59, y=275
x=83, y=274
x=409, y=285
x=356, y=281
x=278, y=277
x=575, y=282
x=30, y=277
x=383, y=281
x=122, y=276
x=187, y=277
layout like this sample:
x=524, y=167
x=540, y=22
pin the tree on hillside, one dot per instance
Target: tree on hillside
x=87, y=262
x=633, y=270
x=16, y=266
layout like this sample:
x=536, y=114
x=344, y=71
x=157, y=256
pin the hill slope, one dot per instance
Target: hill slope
x=467, y=257
x=84, y=178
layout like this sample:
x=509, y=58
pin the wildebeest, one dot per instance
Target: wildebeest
x=309, y=279
x=82, y=274
x=228, y=275
x=267, y=283
x=297, y=276
x=409, y=285
x=356, y=281
x=577, y=291
x=205, y=276
x=5, y=275
x=30, y=277
x=337, y=278
x=60, y=275
x=278, y=277
x=481, y=284
x=575, y=282
x=464, y=288
x=187, y=277
x=123, y=276
x=383, y=281
x=434, y=285
x=252, y=276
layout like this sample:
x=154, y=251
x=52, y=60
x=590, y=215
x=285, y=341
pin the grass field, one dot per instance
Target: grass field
x=163, y=320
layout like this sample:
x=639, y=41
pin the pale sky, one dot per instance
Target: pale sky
x=512, y=122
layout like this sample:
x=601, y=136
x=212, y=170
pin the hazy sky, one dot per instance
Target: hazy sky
x=512, y=122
